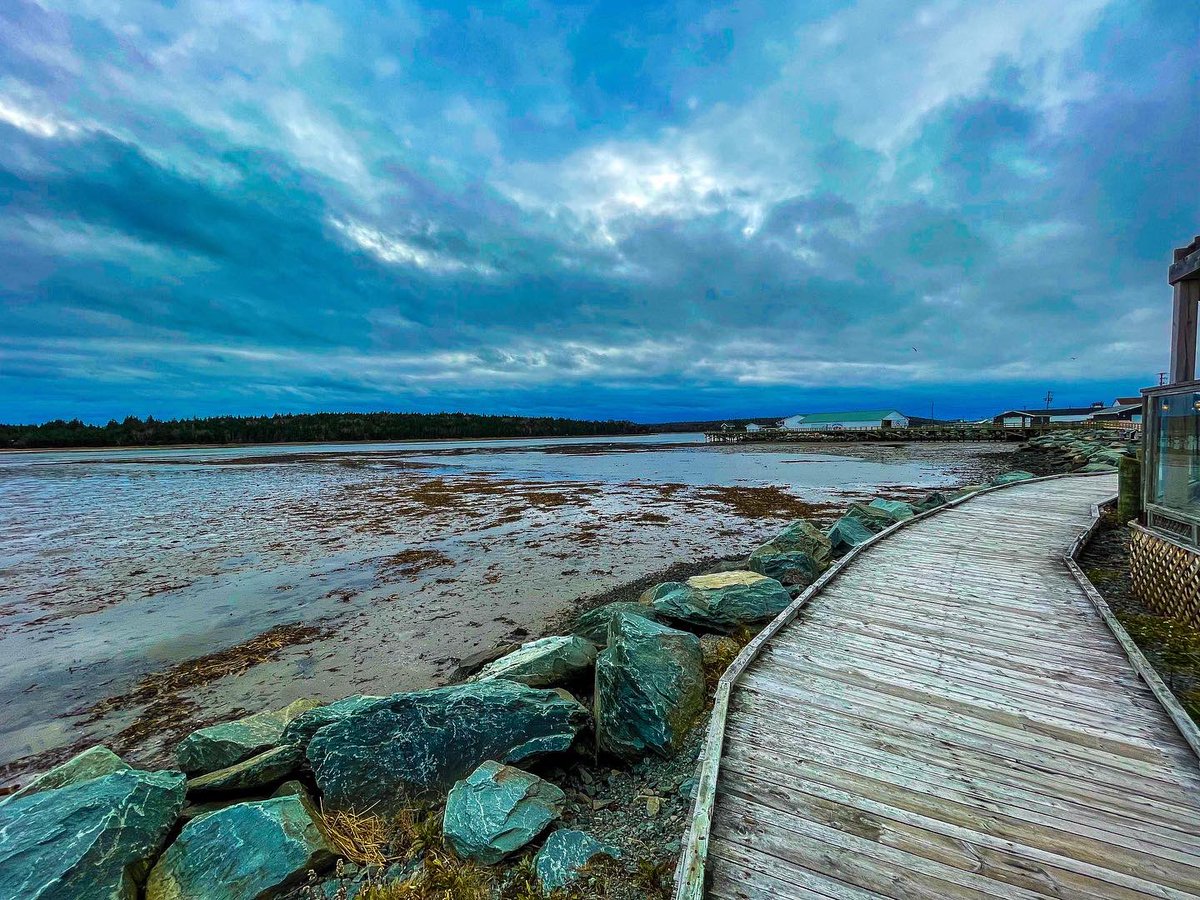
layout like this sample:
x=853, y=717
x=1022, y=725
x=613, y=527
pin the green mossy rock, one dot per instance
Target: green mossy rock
x=1013, y=477
x=564, y=854
x=847, y=533
x=931, y=501
x=593, y=625
x=497, y=810
x=1099, y=467
x=419, y=743
x=542, y=663
x=250, y=774
x=785, y=566
x=649, y=687
x=248, y=851
x=896, y=510
x=723, y=601
x=92, y=840
x=802, y=536
x=95, y=762
x=227, y=744
x=302, y=728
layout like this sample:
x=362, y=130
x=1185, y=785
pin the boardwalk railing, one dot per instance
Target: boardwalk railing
x=690, y=874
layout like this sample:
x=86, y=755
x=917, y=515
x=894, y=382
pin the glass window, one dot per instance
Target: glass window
x=1176, y=437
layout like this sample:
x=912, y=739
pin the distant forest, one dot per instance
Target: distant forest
x=317, y=427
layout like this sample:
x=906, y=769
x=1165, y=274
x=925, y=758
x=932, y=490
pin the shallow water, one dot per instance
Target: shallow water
x=114, y=564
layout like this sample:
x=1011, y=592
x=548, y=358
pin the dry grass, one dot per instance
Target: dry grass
x=362, y=838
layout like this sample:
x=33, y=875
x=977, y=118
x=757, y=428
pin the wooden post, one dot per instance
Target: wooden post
x=1183, y=331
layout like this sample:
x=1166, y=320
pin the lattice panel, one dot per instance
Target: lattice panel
x=1166, y=576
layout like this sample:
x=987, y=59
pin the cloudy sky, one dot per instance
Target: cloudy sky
x=655, y=210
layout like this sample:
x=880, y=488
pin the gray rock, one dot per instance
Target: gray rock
x=896, y=510
x=802, y=536
x=92, y=840
x=256, y=772
x=416, y=744
x=224, y=745
x=1012, y=477
x=593, y=625
x=931, y=501
x=649, y=687
x=549, y=661
x=95, y=762
x=564, y=854
x=497, y=810
x=248, y=851
x=873, y=518
x=790, y=567
x=723, y=601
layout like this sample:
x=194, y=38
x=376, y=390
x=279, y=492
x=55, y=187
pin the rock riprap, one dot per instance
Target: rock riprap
x=722, y=601
x=872, y=518
x=95, y=762
x=250, y=774
x=797, y=555
x=931, y=501
x=497, y=810
x=228, y=743
x=564, y=854
x=419, y=743
x=896, y=510
x=593, y=625
x=302, y=728
x=92, y=840
x=1013, y=477
x=649, y=687
x=847, y=533
x=248, y=851
x=545, y=662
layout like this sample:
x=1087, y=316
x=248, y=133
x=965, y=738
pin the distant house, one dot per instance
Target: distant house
x=1024, y=418
x=1120, y=412
x=864, y=418
x=754, y=426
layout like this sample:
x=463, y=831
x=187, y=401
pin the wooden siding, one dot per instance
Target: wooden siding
x=951, y=717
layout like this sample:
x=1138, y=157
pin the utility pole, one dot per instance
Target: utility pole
x=1049, y=398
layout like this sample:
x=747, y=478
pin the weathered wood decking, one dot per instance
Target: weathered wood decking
x=950, y=716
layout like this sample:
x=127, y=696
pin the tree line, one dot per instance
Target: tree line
x=314, y=427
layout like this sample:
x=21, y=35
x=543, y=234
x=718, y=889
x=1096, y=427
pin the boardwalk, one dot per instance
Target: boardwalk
x=950, y=717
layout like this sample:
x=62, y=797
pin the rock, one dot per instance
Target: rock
x=593, y=625
x=803, y=537
x=497, y=810
x=418, y=743
x=653, y=806
x=723, y=601
x=847, y=533
x=931, y=501
x=243, y=852
x=565, y=852
x=649, y=687
x=290, y=789
x=92, y=840
x=255, y=772
x=1011, y=477
x=896, y=510
x=549, y=661
x=95, y=762
x=224, y=745
x=688, y=787
x=473, y=662
x=1099, y=467
x=786, y=567
x=301, y=729
x=873, y=519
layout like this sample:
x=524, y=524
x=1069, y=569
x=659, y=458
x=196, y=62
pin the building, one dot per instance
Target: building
x=1164, y=550
x=833, y=421
x=754, y=426
x=1120, y=412
x=1026, y=418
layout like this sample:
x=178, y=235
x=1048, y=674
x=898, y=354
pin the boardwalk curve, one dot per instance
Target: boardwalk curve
x=950, y=716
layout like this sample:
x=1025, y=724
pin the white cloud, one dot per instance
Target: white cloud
x=395, y=250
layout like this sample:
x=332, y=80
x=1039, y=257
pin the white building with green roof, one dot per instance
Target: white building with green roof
x=834, y=421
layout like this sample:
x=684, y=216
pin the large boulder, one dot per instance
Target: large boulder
x=259, y=771
x=95, y=762
x=649, y=687
x=873, y=519
x=723, y=601
x=542, y=663
x=92, y=840
x=593, y=624
x=248, y=851
x=302, y=728
x=931, y=501
x=1013, y=477
x=847, y=533
x=224, y=745
x=497, y=810
x=419, y=743
x=797, y=555
x=564, y=855
x=803, y=536
x=896, y=510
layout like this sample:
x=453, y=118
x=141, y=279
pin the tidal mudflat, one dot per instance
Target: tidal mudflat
x=146, y=592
